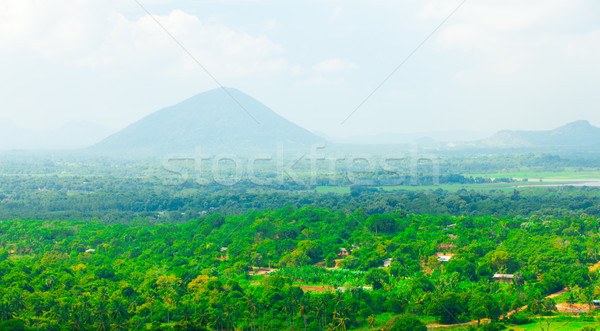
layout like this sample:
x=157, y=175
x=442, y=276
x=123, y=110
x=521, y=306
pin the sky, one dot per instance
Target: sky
x=492, y=65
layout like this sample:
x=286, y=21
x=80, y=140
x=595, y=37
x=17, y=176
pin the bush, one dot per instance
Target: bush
x=492, y=327
x=519, y=318
x=405, y=322
x=13, y=325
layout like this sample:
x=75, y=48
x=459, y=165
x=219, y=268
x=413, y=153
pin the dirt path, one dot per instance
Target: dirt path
x=260, y=271
x=553, y=295
x=312, y=288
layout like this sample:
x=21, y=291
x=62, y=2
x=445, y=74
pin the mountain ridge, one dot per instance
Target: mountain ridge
x=579, y=133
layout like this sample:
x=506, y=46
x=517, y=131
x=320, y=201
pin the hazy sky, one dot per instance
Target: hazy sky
x=493, y=65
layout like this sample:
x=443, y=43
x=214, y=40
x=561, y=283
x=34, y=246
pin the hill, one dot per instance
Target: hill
x=223, y=120
x=572, y=135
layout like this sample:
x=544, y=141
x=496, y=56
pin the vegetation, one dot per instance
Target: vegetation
x=116, y=249
x=92, y=275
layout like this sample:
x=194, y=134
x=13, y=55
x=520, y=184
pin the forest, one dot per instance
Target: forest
x=100, y=250
x=198, y=274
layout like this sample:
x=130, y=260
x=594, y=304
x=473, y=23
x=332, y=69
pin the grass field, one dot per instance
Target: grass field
x=569, y=176
x=555, y=325
x=567, y=173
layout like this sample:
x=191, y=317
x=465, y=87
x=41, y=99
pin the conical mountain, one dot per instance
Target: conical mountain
x=223, y=120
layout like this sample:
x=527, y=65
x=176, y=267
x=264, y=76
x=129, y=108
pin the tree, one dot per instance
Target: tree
x=256, y=259
x=377, y=277
x=382, y=223
x=330, y=260
x=462, y=265
x=405, y=322
x=14, y=325
x=448, y=307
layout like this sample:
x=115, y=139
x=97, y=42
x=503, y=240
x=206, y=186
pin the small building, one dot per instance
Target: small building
x=224, y=255
x=343, y=289
x=444, y=258
x=387, y=262
x=343, y=252
x=596, y=302
x=503, y=278
x=91, y=250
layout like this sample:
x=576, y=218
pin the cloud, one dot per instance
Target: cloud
x=585, y=47
x=334, y=64
x=56, y=28
x=89, y=34
x=513, y=37
x=507, y=15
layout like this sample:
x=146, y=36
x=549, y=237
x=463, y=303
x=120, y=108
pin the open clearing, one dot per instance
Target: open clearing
x=558, y=325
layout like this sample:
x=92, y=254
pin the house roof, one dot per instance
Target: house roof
x=509, y=276
x=387, y=262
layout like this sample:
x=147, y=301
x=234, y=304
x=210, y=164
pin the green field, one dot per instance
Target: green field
x=567, y=173
x=556, y=325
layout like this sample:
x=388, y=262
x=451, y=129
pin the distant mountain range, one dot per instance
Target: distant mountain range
x=222, y=120
x=225, y=120
x=578, y=134
x=70, y=136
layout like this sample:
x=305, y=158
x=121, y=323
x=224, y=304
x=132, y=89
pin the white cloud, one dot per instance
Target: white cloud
x=223, y=51
x=54, y=29
x=334, y=64
x=511, y=37
x=585, y=47
x=507, y=15
x=84, y=33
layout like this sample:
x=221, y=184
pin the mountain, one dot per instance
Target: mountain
x=575, y=134
x=222, y=120
x=69, y=136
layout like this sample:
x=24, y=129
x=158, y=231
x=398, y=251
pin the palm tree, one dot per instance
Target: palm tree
x=302, y=311
x=342, y=319
x=18, y=302
x=587, y=294
x=118, y=310
x=6, y=312
x=571, y=300
x=371, y=320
